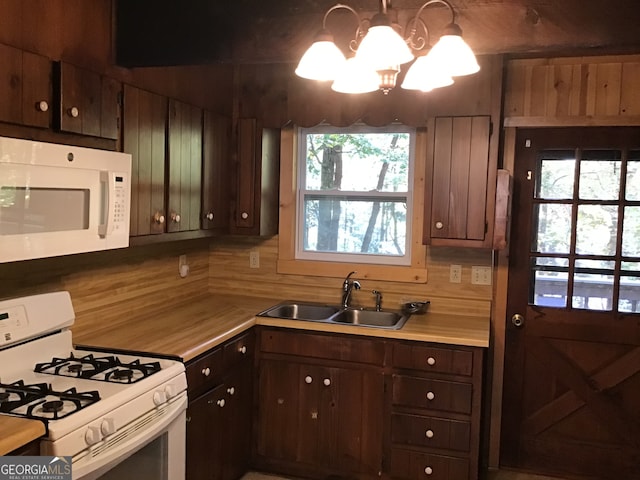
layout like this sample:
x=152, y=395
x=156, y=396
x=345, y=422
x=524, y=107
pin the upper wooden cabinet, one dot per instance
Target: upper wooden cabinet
x=86, y=102
x=25, y=88
x=460, y=183
x=144, y=137
x=185, y=167
x=215, y=181
x=256, y=170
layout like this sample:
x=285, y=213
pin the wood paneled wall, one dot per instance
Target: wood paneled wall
x=230, y=273
x=583, y=91
x=108, y=287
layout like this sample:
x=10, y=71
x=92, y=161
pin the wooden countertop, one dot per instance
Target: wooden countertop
x=191, y=329
x=194, y=328
x=17, y=432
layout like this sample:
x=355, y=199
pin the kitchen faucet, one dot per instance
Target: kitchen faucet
x=347, y=287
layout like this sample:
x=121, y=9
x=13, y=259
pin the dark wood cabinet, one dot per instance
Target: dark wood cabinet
x=460, y=181
x=215, y=181
x=257, y=161
x=86, y=102
x=25, y=88
x=436, y=406
x=318, y=416
x=220, y=389
x=143, y=136
x=184, y=167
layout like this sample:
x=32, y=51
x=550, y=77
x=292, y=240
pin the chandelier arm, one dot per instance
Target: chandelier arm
x=416, y=19
x=421, y=41
x=358, y=36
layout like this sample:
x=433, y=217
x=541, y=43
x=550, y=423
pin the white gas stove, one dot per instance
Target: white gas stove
x=98, y=407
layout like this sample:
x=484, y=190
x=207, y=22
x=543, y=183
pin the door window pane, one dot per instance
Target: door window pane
x=600, y=175
x=633, y=176
x=553, y=233
x=550, y=282
x=556, y=178
x=630, y=287
x=631, y=232
x=596, y=229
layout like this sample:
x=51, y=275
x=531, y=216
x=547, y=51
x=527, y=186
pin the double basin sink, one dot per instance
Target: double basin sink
x=316, y=312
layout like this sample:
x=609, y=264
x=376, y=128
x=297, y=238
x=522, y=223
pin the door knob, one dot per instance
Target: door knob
x=517, y=320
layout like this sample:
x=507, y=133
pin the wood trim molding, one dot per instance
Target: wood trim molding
x=574, y=121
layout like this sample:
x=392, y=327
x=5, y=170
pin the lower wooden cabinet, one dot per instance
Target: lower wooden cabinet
x=219, y=412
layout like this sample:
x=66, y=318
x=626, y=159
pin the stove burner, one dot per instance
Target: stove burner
x=122, y=374
x=52, y=406
x=75, y=368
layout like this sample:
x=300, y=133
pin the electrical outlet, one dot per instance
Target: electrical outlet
x=455, y=273
x=254, y=259
x=481, y=275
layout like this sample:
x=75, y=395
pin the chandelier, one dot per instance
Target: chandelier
x=378, y=50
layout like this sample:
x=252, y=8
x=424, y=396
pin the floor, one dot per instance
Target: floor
x=494, y=475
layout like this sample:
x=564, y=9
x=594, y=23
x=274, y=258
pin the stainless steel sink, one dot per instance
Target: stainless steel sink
x=317, y=312
x=301, y=311
x=370, y=318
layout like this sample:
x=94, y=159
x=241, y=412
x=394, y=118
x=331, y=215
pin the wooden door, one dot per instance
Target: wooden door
x=215, y=172
x=572, y=364
x=144, y=132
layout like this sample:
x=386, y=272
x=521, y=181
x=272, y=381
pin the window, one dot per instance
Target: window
x=353, y=200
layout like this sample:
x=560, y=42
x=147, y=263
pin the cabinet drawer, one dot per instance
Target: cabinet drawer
x=432, y=394
x=239, y=349
x=430, y=432
x=433, y=359
x=205, y=371
x=410, y=465
x=333, y=347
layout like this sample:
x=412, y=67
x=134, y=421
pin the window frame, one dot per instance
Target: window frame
x=414, y=272
x=368, y=258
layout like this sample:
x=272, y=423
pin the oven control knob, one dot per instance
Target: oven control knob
x=92, y=435
x=170, y=391
x=159, y=397
x=108, y=426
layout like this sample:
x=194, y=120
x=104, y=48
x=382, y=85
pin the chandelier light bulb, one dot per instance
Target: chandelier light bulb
x=453, y=55
x=322, y=61
x=355, y=77
x=382, y=45
x=424, y=76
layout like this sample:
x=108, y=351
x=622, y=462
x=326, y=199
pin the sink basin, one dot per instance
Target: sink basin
x=370, y=318
x=301, y=311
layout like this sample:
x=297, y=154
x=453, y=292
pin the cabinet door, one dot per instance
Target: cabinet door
x=25, y=87
x=458, y=167
x=257, y=181
x=144, y=127
x=185, y=167
x=215, y=181
x=205, y=434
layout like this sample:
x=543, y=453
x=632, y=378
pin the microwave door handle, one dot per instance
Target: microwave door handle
x=106, y=191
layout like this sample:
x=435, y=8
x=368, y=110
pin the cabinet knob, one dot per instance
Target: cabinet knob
x=175, y=217
x=231, y=390
x=308, y=379
x=428, y=434
x=439, y=225
x=431, y=395
x=431, y=361
x=244, y=215
x=209, y=216
x=42, y=106
x=73, y=112
x=428, y=470
x=158, y=218
x=206, y=371
x=327, y=382
x=242, y=350
x=220, y=402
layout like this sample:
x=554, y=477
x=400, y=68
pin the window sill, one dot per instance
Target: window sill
x=388, y=273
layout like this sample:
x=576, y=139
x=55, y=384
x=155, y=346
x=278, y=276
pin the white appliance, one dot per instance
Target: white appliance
x=117, y=416
x=59, y=199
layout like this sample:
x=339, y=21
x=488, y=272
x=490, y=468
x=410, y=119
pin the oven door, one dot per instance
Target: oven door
x=151, y=448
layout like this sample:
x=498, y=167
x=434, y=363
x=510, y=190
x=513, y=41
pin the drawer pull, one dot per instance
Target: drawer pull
x=327, y=382
x=431, y=361
x=428, y=470
x=231, y=390
x=429, y=434
x=308, y=379
x=431, y=395
x=242, y=350
x=221, y=402
x=206, y=371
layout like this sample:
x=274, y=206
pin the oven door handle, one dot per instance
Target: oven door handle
x=101, y=457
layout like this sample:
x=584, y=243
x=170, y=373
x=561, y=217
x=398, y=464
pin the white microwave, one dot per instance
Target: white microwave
x=60, y=200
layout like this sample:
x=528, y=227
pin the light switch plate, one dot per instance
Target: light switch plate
x=480, y=275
